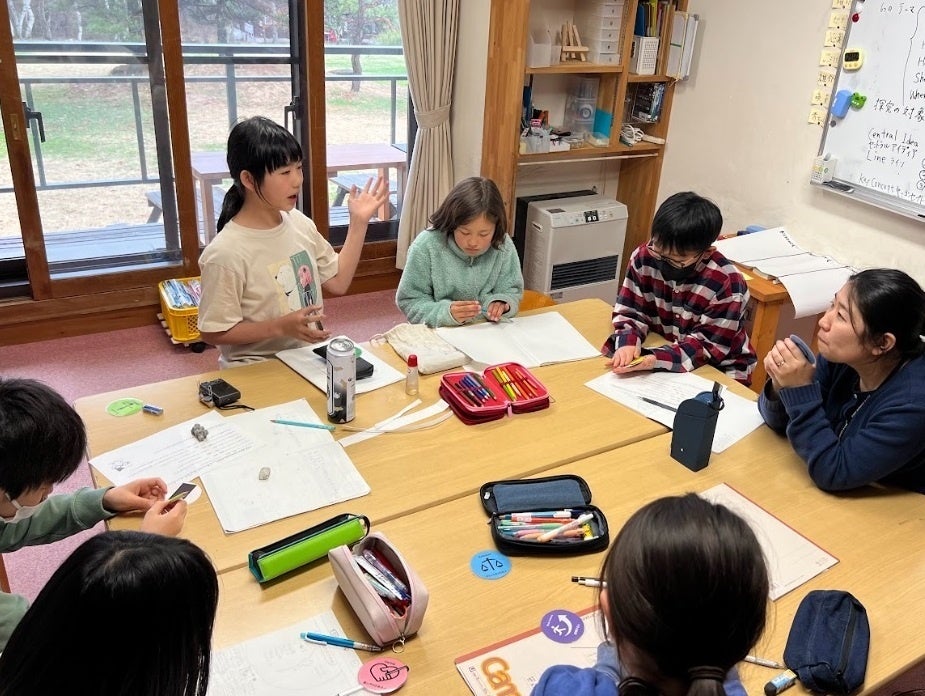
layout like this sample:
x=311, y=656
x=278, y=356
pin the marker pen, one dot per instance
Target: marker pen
x=781, y=682
x=588, y=582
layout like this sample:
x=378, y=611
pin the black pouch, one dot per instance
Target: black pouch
x=514, y=498
x=693, y=429
x=828, y=642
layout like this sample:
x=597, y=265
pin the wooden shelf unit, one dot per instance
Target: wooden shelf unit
x=506, y=73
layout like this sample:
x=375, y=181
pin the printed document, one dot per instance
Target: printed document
x=792, y=558
x=307, y=470
x=538, y=339
x=749, y=248
x=812, y=293
x=737, y=419
x=174, y=454
x=314, y=368
x=281, y=663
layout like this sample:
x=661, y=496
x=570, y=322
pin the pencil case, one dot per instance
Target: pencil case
x=517, y=525
x=384, y=591
x=306, y=546
x=500, y=390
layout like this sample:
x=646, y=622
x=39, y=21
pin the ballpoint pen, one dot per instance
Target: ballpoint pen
x=588, y=582
x=322, y=639
x=658, y=403
x=302, y=424
x=764, y=662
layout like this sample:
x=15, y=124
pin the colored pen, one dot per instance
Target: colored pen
x=764, y=662
x=302, y=424
x=530, y=516
x=658, y=403
x=577, y=522
x=322, y=639
x=588, y=582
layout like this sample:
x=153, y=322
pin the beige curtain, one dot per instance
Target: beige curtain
x=428, y=32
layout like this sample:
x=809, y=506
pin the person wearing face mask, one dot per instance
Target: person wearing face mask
x=42, y=442
x=682, y=288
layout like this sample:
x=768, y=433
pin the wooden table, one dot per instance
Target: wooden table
x=408, y=471
x=211, y=168
x=877, y=537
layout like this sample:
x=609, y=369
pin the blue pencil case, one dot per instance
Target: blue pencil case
x=551, y=515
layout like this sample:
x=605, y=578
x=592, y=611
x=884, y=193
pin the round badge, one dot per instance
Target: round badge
x=562, y=626
x=124, y=407
x=490, y=565
x=382, y=675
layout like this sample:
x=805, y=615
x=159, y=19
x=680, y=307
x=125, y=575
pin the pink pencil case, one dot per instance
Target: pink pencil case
x=384, y=591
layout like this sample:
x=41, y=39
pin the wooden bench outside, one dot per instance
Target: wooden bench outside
x=345, y=182
x=156, y=203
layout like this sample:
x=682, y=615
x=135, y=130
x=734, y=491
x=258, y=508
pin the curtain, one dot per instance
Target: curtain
x=428, y=32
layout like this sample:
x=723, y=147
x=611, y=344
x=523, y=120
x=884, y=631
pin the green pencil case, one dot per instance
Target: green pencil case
x=306, y=546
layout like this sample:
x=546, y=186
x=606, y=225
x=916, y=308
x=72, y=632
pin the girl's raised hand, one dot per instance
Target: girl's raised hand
x=363, y=203
x=304, y=324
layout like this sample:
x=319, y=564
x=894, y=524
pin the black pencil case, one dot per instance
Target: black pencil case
x=513, y=506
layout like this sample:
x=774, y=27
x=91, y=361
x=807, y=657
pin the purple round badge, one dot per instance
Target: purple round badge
x=562, y=626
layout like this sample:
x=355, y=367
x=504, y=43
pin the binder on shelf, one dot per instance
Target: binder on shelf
x=681, y=44
x=690, y=35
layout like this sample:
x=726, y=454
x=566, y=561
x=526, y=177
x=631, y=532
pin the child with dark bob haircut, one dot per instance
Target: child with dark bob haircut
x=685, y=599
x=682, y=288
x=464, y=265
x=69, y=642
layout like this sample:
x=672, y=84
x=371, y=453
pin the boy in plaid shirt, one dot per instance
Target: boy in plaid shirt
x=679, y=286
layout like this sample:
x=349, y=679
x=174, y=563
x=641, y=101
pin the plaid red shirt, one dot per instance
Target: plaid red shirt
x=702, y=317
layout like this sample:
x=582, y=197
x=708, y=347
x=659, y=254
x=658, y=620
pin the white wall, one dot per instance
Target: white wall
x=739, y=132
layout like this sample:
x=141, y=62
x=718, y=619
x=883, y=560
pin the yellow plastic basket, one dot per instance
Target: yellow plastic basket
x=181, y=322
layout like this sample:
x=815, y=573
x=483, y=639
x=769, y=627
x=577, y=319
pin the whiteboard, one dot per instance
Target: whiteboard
x=879, y=147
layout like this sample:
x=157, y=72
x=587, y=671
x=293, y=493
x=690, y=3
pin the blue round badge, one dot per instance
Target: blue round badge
x=563, y=626
x=490, y=565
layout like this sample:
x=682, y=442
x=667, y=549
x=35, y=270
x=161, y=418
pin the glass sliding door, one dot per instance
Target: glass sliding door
x=89, y=86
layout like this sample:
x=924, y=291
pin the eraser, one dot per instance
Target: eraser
x=804, y=348
x=152, y=409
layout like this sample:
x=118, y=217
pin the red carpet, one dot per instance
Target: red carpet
x=102, y=362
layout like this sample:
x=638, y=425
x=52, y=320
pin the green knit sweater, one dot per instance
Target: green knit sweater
x=438, y=272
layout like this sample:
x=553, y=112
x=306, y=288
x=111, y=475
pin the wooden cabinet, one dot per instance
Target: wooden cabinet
x=507, y=73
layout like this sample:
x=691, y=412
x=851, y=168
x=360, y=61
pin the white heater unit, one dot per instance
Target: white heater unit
x=573, y=247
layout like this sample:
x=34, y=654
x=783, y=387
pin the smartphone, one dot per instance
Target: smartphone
x=364, y=367
x=182, y=491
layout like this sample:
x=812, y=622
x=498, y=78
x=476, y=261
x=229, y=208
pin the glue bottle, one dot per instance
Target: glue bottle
x=411, y=380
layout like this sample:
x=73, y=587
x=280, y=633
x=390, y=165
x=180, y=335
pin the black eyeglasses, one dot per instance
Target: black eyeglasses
x=674, y=263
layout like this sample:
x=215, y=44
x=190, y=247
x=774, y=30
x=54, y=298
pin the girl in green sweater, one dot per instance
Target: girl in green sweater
x=464, y=265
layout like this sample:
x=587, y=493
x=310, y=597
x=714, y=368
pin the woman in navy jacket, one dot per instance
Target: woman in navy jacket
x=858, y=415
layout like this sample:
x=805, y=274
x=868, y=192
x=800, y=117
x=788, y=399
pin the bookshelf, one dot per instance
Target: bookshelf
x=507, y=73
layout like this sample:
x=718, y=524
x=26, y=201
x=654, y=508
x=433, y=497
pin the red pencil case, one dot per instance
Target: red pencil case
x=500, y=390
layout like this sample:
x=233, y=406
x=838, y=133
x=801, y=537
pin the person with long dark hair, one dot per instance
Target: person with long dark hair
x=684, y=598
x=857, y=416
x=126, y=613
x=252, y=300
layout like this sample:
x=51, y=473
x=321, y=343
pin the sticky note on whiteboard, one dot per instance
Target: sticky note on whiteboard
x=840, y=4
x=821, y=97
x=829, y=58
x=834, y=37
x=838, y=20
x=817, y=116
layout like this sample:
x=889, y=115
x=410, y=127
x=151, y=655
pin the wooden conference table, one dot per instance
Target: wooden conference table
x=877, y=537
x=405, y=471
x=211, y=168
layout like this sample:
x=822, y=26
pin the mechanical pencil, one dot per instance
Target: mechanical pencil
x=322, y=639
x=764, y=662
x=301, y=424
x=658, y=403
x=588, y=582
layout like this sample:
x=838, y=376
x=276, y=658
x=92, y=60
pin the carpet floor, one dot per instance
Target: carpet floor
x=95, y=363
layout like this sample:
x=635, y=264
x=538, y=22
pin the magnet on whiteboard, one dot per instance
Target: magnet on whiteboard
x=841, y=103
x=858, y=100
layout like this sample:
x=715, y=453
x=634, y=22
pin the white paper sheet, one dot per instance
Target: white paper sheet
x=308, y=470
x=538, y=339
x=174, y=454
x=812, y=293
x=781, y=266
x=737, y=419
x=280, y=663
x=792, y=558
x=314, y=368
x=765, y=244
x=399, y=420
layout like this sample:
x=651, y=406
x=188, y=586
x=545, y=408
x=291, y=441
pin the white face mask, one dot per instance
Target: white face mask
x=23, y=512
